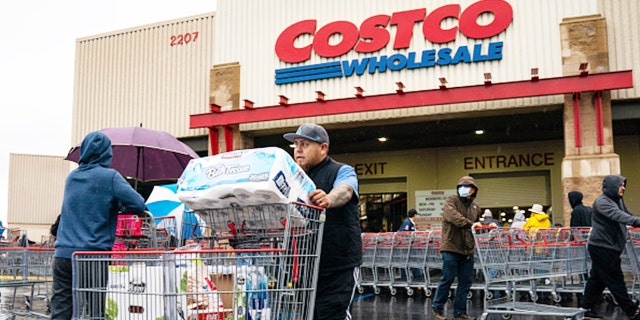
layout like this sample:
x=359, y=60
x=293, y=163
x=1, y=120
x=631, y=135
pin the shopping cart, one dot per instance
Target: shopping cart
x=577, y=262
x=497, y=251
x=39, y=268
x=137, y=231
x=399, y=264
x=433, y=262
x=417, y=262
x=382, y=272
x=16, y=272
x=630, y=263
x=270, y=273
x=165, y=232
x=366, y=275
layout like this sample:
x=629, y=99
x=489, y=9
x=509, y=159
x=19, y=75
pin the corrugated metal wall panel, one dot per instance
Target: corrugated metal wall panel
x=623, y=19
x=135, y=76
x=532, y=40
x=26, y=176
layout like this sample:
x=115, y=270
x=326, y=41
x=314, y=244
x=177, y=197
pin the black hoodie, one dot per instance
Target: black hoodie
x=611, y=216
x=581, y=214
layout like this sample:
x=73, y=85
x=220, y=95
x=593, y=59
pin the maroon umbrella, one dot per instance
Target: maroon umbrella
x=144, y=154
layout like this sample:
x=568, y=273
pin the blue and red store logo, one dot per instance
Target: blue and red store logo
x=373, y=35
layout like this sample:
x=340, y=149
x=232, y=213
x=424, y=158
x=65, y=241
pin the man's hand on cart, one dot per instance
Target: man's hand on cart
x=479, y=225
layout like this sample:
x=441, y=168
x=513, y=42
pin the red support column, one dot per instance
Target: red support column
x=228, y=138
x=213, y=140
x=576, y=120
x=599, y=125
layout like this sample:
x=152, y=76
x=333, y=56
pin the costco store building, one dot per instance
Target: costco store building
x=532, y=98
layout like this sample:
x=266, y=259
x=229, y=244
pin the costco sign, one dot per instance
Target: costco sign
x=373, y=35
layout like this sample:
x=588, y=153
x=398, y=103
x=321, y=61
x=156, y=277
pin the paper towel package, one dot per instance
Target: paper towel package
x=243, y=177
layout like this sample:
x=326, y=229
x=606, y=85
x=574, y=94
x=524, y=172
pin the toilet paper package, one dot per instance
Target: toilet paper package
x=243, y=177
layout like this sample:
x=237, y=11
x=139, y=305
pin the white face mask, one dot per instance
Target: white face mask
x=464, y=191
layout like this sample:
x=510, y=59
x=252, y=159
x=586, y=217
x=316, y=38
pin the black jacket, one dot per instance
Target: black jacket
x=581, y=214
x=342, y=242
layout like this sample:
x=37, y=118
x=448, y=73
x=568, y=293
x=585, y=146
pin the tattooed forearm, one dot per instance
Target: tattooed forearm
x=340, y=195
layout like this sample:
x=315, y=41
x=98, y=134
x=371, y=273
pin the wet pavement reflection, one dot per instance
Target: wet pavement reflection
x=384, y=306
x=366, y=306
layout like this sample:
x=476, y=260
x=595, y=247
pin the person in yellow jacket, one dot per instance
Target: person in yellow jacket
x=538, y=219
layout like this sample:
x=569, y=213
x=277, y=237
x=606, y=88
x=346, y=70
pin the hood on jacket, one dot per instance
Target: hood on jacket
x=611, y=184
x=575, y=198
x=519, y=216
x=469, y=181
x=95, y=149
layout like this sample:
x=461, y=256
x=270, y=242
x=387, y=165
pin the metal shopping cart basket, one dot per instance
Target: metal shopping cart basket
x=270, y=272
x=16, y=272
x=506, y=258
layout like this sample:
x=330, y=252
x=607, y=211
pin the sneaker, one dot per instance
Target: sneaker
x=439, y=313
x=592, y=314
x=464, y=317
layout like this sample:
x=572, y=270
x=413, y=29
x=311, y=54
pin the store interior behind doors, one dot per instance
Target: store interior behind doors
x=383, y=204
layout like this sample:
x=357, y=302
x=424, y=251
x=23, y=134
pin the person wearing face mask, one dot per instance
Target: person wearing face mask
x=459, y=215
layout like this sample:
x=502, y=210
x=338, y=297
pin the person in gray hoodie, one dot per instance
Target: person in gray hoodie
x=606, y=242
x=518, y=220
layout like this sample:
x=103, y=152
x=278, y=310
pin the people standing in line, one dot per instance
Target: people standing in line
x=408, y=224
x=337, y=192
x=609, y=234
x=538, y=219
x=518, y=220
x=459, y=215
x=487, y=218
x=93, y=196
x=581, y=214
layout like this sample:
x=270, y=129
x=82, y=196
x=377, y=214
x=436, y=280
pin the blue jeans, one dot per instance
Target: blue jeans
x=454, y=265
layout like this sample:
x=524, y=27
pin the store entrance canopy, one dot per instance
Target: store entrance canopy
x=401, y=99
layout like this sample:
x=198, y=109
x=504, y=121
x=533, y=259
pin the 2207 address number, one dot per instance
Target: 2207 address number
x=182, y=39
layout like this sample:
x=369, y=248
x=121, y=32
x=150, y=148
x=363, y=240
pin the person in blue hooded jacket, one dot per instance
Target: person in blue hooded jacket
x=607, y=240
x=93, y=196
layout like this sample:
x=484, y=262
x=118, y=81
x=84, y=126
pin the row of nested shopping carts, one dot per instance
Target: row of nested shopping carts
x=508, y=262
x=253, y=262
x=24, y=265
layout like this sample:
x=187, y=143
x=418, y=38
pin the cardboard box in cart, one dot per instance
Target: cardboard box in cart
x=224, y=285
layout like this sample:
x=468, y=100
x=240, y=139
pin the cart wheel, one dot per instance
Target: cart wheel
x=393, y=291
x=489, y=295
x=557, y=298
x=506, y=316
x=428, y=292
x=469, y=294
x=610, y=299
x=27, y=303
x=360, y=290
x=410, y=292
x=376, y=290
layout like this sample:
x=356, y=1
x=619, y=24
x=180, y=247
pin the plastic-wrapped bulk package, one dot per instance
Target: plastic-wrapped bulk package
x=243, y=177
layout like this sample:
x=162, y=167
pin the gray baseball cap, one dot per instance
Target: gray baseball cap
x=309, y=131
